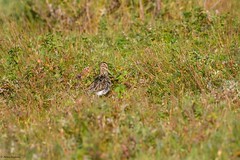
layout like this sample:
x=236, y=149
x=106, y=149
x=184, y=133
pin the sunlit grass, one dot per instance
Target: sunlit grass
x=175, y=91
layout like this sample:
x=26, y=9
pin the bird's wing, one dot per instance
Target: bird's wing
x=100, y=83
x=95, y=84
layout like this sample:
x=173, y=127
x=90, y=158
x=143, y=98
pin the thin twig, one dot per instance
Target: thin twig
x=157, y=7
x=213, y=6
x=141, y=10
x=205, y=4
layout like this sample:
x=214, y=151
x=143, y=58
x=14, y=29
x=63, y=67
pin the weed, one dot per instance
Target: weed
x=175, y=74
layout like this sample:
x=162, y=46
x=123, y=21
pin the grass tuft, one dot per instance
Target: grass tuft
x=175, y=74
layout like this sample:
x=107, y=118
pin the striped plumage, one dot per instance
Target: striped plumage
x=102, y=83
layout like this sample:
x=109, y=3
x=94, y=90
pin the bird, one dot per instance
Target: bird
x=102, y=83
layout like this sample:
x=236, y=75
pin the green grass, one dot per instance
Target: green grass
x=175, y=91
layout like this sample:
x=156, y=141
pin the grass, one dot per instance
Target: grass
x=175, y=94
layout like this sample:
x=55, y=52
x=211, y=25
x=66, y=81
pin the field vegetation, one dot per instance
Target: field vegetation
x=174, y=67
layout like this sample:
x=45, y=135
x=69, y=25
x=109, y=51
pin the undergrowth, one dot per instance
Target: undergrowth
x=175, y=92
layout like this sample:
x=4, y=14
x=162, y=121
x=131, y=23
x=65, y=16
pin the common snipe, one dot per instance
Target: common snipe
x=102, y=83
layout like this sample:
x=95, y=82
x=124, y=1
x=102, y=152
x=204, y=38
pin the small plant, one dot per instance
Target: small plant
x=174, y=69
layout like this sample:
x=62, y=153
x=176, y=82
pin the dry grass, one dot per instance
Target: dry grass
x=175, y=94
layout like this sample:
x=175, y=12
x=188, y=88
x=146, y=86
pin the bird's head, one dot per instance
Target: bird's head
x=104, y=68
